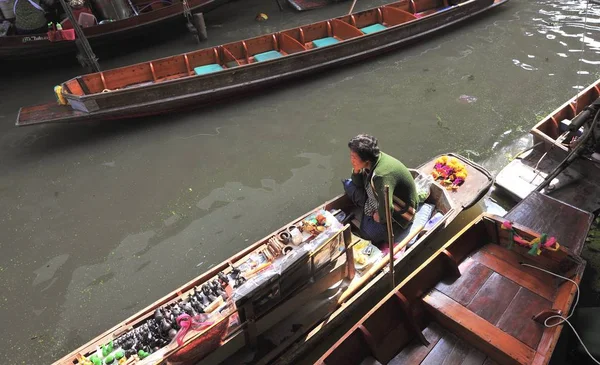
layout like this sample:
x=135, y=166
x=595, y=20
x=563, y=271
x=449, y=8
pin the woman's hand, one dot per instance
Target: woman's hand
x=376, y=217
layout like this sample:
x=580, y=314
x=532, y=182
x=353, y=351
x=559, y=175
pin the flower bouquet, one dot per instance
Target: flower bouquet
x=449, y=172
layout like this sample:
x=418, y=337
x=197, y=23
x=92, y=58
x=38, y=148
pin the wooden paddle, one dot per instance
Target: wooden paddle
x=376, y=267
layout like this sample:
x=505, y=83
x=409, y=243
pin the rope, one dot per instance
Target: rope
x=561, y=318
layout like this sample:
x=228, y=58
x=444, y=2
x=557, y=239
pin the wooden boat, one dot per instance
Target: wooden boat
x=570, y=225
x=308, y=272
x=19, y=47
x=472, y=302
x=203, y=76
x=580, y=180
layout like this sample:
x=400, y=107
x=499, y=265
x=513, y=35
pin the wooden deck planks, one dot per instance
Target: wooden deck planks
x=493, y=298
x=415, y=352
x=463, y=289
x=517, y=274
x=474, y=357
x=476, y=330
x=442, y=349
x=574, y=223
x=517, y=320
x=459, y=353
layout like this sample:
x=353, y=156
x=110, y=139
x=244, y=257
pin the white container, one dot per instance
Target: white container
x=296, y=236
x=6, y=8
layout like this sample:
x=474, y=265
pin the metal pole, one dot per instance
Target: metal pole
x=388, y=220
x=86, y=56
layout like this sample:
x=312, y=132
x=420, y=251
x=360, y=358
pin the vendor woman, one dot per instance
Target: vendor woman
x=371, y=171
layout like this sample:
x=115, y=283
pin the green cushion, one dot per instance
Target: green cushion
x=265, y=56
x=373, y=28
x=206, y=69
x=323, y=42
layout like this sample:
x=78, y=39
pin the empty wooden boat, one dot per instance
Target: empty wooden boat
x=473, y=302
x=206, y=75
x=148, y=18
x=281, y=284
x=554, y=138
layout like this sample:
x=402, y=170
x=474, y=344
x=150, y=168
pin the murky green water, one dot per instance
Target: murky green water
x=99, y=220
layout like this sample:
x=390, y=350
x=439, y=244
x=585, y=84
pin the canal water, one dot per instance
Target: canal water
x=99, y=220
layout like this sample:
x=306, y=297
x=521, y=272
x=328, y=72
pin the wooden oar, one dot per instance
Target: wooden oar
x=378, y=266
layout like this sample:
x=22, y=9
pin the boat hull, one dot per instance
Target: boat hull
x=195, y=91
x=473, y=189
x=22, y=47
x=577, y=182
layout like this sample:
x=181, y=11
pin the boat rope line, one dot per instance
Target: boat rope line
x=580, y=72
x=560, y=318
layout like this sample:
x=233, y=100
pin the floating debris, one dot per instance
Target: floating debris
x=467, y=99
x=261, y=17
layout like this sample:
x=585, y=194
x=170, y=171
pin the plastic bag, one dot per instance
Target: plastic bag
x=4, y=27
x=423, y=184
x=243, y=292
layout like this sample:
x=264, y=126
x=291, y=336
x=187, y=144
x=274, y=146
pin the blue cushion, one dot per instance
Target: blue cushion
x=206, y=69
x=373, y=28
x=323, y=42
x=265, y=56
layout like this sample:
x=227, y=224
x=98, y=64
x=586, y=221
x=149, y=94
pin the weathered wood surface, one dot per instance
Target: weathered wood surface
x=491, y=306
x=545, y=214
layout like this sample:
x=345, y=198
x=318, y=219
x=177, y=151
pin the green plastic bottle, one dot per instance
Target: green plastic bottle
x=119, y=354
x=143, y=354
x=95, y=360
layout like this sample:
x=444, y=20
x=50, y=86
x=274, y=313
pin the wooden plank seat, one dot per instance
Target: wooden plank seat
x=472, y=302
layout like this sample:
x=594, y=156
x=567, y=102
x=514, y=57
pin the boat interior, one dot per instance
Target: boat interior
x=554, y=127
x=577, y=182
x=328, y=262
x=255, y=50
x=95, y=18
x=473, y=302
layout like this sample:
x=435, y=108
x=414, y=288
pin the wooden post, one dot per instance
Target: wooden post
x=86, y=56
x=388, y=222
x=200, y=25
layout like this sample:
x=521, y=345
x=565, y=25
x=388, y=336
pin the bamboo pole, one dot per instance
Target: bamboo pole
x=352, y=7
x=376, y=267
x=86, y=55
x=388, y=222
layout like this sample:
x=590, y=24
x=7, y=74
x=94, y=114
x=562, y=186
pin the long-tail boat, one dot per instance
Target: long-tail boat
x=561, y=161
x=480, y=299
x=18, y=47
x=252, y=295
x=199, y=77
